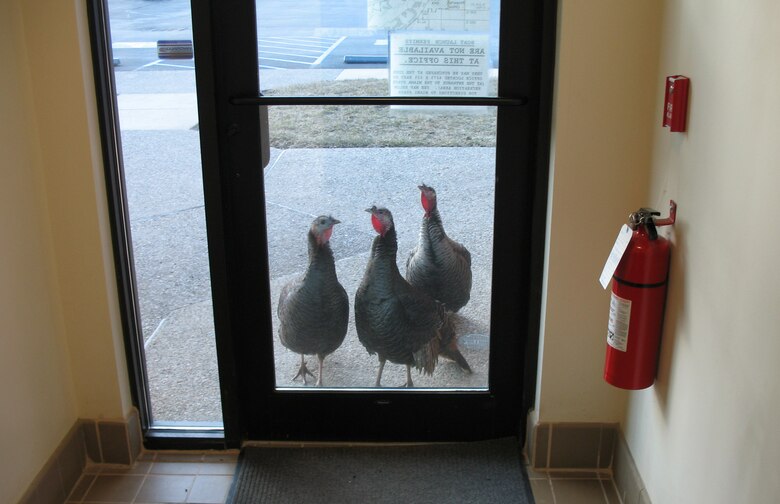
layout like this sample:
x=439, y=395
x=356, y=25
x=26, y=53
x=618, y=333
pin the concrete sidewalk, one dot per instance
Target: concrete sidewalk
x=170, y=101
x=165, y=195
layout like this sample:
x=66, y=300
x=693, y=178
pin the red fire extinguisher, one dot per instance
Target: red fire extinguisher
x=636, y=308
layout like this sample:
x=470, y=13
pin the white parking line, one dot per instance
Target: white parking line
x=288, y=61
x=301, y=43
x=149, y=64
x=304, y=51
x=330, y=49
x=189, y=67
x=265, y=48
x=324, y=40
x=285, y=51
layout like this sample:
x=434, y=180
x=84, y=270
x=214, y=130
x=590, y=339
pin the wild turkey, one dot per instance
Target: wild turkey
x=439, y=265
x=314, y=308
x=395, y=320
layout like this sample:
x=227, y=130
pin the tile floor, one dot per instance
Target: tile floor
x=202, y=478
x=205, y=478
x=581, y=487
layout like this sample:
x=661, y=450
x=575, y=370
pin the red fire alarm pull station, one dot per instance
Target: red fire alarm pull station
x=676, y=102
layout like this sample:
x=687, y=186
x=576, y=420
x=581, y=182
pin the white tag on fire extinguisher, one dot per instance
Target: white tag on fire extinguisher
x=618, y=249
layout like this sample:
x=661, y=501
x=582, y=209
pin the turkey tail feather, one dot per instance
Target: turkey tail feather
x=449, y=345
x=427, y=356
x=453, y=353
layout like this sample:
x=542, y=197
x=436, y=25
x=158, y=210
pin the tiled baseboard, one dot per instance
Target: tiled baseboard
x=627, y=479
x=591, y=447
x=569, y=446
x=88, y=442
x=113, y=442
x=61, y=472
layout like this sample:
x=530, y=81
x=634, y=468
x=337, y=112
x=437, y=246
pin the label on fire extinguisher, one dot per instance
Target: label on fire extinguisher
x=619, y=316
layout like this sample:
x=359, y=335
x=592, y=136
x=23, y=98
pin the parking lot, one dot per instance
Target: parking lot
x=299, y=35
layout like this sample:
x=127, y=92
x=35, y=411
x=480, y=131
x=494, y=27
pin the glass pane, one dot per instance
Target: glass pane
x=158, y=119
x=418, y=48
x=339, y=161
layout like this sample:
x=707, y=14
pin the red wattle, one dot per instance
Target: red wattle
x=378, y=227
x=325, y=236
x=425, y=203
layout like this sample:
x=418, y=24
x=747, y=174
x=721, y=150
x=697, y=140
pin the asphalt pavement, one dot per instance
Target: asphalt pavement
x=295, y=35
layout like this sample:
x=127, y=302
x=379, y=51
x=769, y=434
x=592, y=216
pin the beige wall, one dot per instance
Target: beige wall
x=605, y=112
x=61, y=354
x=709, y=431
x=57, y=42
x=37, y=395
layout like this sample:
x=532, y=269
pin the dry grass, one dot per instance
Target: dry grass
x=314, y=126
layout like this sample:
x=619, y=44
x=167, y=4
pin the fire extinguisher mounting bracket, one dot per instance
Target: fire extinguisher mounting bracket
x=672, y=215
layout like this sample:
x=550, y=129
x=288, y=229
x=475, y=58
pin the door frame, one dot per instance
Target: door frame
x=211, y=39
x=229, y=107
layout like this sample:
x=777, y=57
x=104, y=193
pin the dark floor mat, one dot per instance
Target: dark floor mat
x=477, y=472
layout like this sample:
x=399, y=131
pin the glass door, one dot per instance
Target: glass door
x=373, y=195
x=146, y=95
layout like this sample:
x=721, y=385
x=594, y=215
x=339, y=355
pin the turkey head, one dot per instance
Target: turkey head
x=427, y=198
x=322, y=228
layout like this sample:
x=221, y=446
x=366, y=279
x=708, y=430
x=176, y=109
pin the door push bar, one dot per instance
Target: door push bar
x=378, y=100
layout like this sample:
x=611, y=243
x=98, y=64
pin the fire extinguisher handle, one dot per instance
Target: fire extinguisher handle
x=642, y=216
x=652, y=232
x=647, y=216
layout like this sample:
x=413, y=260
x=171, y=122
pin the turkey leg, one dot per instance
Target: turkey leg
x=379, y=374
x=319, y=371
x=303, y=371
x=409, y=383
